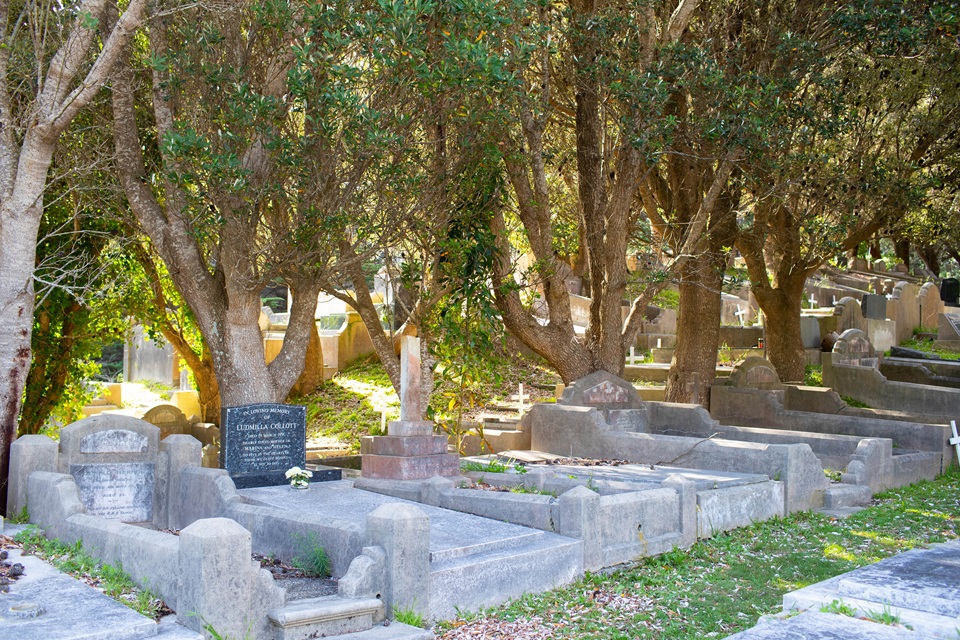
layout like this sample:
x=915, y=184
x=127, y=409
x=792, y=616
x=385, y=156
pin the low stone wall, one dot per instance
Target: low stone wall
x=206, y=574
x=870, y=387
x=765, y=409
x=210, y=493
x=583, y=432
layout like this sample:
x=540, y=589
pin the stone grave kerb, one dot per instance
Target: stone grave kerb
x=853, y=348
x=755, y=372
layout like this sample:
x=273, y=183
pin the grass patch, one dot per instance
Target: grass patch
x=813, y=375
x=348, y=407
x=853, y=402
x=311, y=557
x=722, y=585
x=483, y=467
x=72, y=559
x=931, y=346
x=410, y=617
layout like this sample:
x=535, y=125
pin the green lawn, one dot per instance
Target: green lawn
x=721, y=586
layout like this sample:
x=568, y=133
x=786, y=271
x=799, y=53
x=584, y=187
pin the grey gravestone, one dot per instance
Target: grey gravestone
x=810, y=332
x=755, y=372
x=601, y=390
x=853, y=348
x=950, y=292
x=259, y=442
x=113, y=461
x=874, y=307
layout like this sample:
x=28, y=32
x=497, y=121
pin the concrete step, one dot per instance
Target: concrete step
x=497, y=572
x=387, y=631
x=325, y=616
x=846, y=495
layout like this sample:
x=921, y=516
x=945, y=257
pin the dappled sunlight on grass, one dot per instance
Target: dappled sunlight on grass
x=836, y=552
x=931, y=514
x=377, y=396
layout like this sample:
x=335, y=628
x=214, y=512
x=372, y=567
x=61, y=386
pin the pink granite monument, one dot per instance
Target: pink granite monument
x=410, y=450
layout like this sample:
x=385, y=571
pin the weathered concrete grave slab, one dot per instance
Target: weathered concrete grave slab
x=261, y=441
x=822, y=626
x=71, y=610
x=113, y=460
x=921, y=586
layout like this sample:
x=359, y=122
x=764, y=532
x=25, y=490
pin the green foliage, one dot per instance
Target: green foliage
x=853, y=402
x=884, y=616
x=21, y=518
x=667, y=299
x=311, y=557
x=813, y=375
x=839, y=607
x=409, y=616
x=483, y=467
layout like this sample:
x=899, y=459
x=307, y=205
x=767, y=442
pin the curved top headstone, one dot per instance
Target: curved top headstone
x=755, y=372
x=602, y=390
x=854, y=348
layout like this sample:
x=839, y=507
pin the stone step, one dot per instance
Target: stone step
x=325, y=616
x=497, y=573
x=846, y=495
x=522, y=538
x=383, y=631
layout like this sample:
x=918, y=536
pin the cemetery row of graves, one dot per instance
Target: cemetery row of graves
x=657, y=298
x=601, y=476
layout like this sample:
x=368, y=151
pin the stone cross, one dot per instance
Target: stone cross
x=833, y=301
x=740, y=313
x=521, y=397
x=955, y=440
x=410, y=379
x=813, y=302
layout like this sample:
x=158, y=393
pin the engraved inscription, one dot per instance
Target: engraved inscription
x=262, y=438
x=117, y=491
x=114, y=441
x=605, y=393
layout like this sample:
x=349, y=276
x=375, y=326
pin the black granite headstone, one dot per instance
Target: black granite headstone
x=950, y=292
x=874, y=307
x=259, y=442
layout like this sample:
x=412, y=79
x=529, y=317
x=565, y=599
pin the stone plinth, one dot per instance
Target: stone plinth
x=407, y=457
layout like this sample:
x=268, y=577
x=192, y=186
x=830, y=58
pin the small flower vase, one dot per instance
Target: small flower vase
x=299, y=487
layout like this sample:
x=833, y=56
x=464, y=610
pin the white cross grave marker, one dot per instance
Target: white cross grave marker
x=813, y=302
x=740, y=313
x=834, y=301
x=955, y=440
x=521, y=397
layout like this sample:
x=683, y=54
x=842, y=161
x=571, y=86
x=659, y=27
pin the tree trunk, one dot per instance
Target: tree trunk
x=784, y=342
x=698, y=330
x=312, y=376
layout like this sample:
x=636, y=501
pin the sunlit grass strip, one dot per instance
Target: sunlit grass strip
x=722, y=585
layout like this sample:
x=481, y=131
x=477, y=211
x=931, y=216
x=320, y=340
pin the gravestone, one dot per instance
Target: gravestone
x=950, y=292
x=261, y=441
x=853, y=348
x=410, y=450
x=874, y=307
x=112, y=458
x=755, y=372
x=810, y=332
x=948, y=328
x=169, y=419
x=602, y=390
